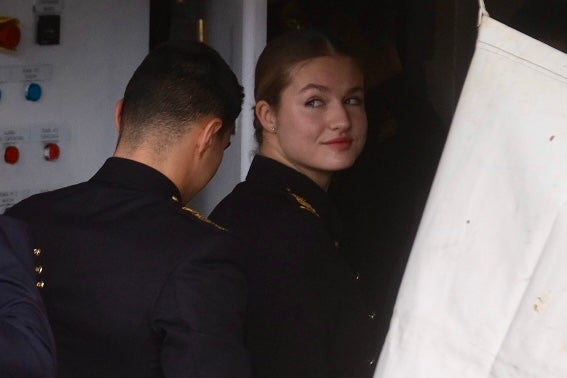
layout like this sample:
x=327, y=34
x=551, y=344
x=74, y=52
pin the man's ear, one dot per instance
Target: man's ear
x=118, y=114
x=265, y=114
x=209, y=130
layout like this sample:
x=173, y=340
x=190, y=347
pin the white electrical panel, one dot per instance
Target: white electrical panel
x=57, y=100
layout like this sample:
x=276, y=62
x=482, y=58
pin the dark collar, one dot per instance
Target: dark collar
x=133, y=175
x=272, y=175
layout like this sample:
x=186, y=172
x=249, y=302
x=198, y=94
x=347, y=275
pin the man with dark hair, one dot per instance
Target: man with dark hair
x=136, y=284
x=26, y=343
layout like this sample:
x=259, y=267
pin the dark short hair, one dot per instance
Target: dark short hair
x=282, y=54
x=175, y=85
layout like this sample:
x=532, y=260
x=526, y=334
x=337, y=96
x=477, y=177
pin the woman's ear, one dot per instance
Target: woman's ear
x=118, y=114
x=265, y=114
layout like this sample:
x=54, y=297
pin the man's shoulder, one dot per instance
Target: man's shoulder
x=37, y=202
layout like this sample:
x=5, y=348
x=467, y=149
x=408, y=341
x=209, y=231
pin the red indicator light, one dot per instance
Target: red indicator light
x=51, y=152
x=11, y=154
x=9, y=34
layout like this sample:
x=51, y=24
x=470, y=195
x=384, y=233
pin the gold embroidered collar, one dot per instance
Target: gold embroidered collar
x=303, y=203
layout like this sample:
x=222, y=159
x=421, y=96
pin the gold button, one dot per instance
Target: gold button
x=372, y=362
x=372, y=315
x=40, y=284
x=175, y=198
x=37, y=251
x=337, y=244
x=38, y=269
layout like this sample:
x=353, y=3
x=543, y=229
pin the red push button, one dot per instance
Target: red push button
x=9, y=34
x=51, y=152
x=11, y=154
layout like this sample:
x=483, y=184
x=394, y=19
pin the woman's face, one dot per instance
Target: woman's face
x=320, y=125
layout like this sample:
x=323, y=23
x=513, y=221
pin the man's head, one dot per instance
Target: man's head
x=182, y=99
x=174, y=86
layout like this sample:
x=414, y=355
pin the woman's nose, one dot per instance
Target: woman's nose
x=340, y=118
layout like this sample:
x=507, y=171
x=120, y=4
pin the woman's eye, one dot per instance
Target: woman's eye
x=353, y=101
x=314, y=103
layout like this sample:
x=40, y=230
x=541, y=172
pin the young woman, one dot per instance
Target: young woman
x=306, y=317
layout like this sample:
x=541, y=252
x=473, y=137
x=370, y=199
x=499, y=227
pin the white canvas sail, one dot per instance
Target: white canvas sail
x=485, y=290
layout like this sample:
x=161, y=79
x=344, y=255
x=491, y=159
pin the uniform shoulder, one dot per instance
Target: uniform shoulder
x=194, y=214
x=35, y=202
x=249, y=208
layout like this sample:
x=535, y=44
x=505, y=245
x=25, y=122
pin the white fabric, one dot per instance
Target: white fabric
x=485, y=290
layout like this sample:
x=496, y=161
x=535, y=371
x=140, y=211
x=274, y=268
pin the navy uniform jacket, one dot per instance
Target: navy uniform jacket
x=27, y=349
x=135, y=284
x=306, y=317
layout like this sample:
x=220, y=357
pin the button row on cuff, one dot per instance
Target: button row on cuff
x=38, y=269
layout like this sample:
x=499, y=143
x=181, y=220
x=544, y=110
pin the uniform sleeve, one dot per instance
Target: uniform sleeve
x=201, y=315
x=26, y=342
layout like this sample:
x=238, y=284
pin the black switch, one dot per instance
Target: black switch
x=48, y=26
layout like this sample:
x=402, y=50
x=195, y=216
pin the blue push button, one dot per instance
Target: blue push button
x=33, y=92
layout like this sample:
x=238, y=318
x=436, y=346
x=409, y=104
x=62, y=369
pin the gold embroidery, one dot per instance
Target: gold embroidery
x=303, y=204
x=202, y=217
